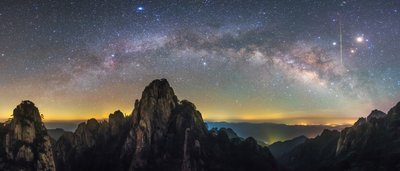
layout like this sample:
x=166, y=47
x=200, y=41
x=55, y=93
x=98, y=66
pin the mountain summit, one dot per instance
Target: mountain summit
x=25, y=142
x=164, y=129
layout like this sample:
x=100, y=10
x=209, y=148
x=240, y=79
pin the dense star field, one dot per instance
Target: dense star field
x=293, y=62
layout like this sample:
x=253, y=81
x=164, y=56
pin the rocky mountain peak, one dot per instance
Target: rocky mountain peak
x=159, y=89
x=27, y=144
x=376, y=114
x=116, y=115
x=156, y=114
x=26, y=111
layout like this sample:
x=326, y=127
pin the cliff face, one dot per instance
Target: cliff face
x=371, y=143
x=26, y=143
x=162, y=128
x=362, y=133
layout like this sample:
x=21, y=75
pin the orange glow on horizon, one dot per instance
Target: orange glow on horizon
x=62, y=113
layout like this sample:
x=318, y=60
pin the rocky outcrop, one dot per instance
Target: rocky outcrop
x=26, y=144
x=375, y=114
x=116, y=121
x=92, y=144
x=150, y=121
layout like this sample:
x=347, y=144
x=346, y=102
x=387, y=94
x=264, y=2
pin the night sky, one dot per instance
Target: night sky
x=276, y=61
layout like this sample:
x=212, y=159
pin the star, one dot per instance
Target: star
x=140, y=8
x=334, y=43
x=360, y=39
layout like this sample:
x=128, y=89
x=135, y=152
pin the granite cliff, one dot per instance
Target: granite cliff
x=25, y=143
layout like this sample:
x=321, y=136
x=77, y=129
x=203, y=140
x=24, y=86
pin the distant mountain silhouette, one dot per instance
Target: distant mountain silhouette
x=56, y=133
x=273, y=132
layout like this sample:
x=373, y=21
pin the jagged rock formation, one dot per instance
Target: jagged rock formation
x=280, y=148
x=163, y=133
x=94, y=145
x=25, y=143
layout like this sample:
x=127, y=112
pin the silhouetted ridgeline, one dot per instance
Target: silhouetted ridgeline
x=273, y=132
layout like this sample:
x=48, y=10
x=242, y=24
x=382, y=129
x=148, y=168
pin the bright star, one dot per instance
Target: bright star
x=334, y=43
x=204, y=63
x=360, y=39
x=140, y=8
